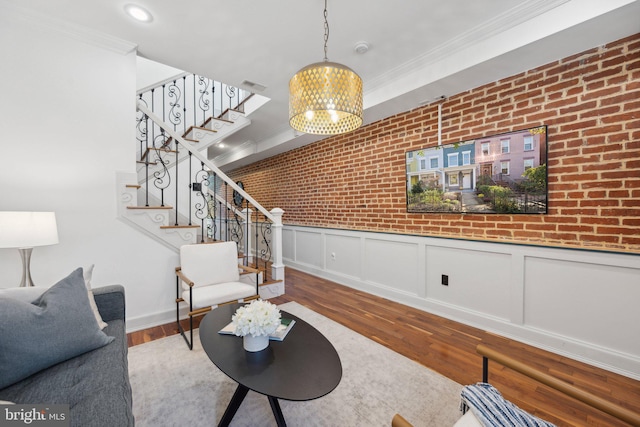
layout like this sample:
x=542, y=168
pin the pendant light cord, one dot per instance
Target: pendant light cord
x=326, y=31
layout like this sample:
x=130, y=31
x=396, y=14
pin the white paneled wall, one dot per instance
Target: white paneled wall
x=591, y=302
x=479, y=279
x=583, y=304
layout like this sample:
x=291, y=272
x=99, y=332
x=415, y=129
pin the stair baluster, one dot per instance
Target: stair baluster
x=209, y=207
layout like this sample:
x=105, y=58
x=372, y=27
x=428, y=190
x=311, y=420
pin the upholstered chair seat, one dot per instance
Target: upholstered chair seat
x=208, y=276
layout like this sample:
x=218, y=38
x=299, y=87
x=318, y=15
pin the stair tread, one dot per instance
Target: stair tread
x=241, y=105
x=179, y=226
x=199, y=128
x=227, y=110
x=166, y=150
x=217, y=118
x=163, y=148
x=146, y=163
x=132, y=186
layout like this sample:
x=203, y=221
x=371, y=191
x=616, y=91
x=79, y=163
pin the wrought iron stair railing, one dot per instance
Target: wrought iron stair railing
x=201, y=196
x=189, y=103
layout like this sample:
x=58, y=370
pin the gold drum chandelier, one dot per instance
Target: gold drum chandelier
x=325, y=98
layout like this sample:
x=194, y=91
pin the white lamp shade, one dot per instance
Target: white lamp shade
x=27, y=229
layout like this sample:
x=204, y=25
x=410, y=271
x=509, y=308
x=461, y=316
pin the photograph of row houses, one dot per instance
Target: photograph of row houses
x=503, y=173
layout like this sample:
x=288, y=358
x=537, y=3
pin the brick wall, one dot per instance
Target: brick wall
x=591, y=104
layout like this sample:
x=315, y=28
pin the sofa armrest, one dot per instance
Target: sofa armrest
x=110, y=302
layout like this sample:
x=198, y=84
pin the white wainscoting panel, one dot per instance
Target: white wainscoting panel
x=392, y=264
x=342, y=254
x=573, y=299
x=578, y=303
x=288, y=244
x=309, y=248
x=478, y=280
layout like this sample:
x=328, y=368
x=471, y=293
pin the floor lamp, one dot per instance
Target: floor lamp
x=24, y=231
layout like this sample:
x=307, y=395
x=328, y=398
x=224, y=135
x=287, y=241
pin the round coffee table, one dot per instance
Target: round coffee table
x=304, y=366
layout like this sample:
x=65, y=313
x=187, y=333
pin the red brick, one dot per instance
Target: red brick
x=591, y=103
x=600, y=221
x=631, y=241
x=602, y=239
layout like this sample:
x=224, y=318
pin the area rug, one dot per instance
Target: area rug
x=173, y=386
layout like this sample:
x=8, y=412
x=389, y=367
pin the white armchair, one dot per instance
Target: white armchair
x=208, y=276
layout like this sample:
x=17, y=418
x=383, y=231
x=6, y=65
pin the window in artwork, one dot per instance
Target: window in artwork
x=528, y=143
x=528, y=164
x=466, y=157
x=504, y=144
x=504, y=168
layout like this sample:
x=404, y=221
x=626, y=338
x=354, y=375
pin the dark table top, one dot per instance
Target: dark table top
x=303, y=366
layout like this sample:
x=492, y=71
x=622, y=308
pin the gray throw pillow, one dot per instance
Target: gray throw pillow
x=55, y=327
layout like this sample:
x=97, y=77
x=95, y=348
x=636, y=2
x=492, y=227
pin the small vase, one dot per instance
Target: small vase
x=255, y=343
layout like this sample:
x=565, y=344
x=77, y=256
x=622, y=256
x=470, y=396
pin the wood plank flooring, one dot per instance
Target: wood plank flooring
x=448, y=347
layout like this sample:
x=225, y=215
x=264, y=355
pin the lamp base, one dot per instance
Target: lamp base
x=25, y=254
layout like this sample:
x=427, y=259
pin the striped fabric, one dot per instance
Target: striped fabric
x=492, y=410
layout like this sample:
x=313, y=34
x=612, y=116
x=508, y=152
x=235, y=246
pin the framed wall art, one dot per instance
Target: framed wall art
x=504, y=174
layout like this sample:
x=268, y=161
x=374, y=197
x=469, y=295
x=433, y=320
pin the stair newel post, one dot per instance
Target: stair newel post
x=264, y=244
x=277, y=267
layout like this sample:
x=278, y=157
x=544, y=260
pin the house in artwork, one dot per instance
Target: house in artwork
x=425, y=166
x=459, y=166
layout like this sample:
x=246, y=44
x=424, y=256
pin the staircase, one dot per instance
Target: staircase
x=178, y=196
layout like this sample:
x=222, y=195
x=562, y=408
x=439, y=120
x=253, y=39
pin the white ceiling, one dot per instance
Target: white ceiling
x=419, y=49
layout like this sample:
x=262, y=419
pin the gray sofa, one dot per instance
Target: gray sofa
x=95, y=384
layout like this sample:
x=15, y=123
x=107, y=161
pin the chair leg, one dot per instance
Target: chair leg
x=191, y=332
x=182, y=331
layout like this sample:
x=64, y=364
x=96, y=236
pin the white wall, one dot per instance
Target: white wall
x=583, y=304
x=68, y=117
x=148, y=73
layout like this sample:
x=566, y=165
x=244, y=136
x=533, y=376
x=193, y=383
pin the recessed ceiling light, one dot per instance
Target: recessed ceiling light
x=138, y=13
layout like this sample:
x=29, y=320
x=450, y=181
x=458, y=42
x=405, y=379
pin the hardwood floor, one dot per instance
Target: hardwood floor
x=448, y=347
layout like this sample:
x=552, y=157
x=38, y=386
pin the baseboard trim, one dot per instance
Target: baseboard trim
x=620, y=363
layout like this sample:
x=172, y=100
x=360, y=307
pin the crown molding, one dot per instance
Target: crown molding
x=69, y=29
x=500, y=23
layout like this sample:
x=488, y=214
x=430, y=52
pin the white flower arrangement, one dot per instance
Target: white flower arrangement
x=258, y=318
